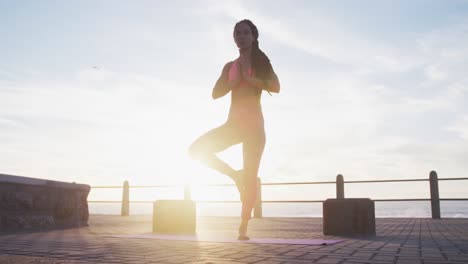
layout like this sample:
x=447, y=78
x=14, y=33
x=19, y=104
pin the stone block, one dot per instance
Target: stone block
x=353, y=216
x=28, y=203
x=42, y=221
x=14, y=222
x=43, y=202
x=65, y=207
x=24, y=200
x=174, y=216
x=22, y=221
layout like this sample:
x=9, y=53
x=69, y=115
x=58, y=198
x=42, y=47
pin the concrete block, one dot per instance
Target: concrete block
x=352, y=216
x=29, y=203
x=174, y=216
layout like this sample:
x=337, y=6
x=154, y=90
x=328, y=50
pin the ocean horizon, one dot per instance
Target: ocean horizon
x=419, y=209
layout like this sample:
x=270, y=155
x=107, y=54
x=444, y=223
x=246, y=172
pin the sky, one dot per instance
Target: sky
x=99, y=92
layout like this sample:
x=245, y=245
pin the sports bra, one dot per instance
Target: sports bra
x=233, y=74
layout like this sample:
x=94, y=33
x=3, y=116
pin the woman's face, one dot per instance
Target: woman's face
x=243, y=36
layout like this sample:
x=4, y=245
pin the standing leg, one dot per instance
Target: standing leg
x=253, y=146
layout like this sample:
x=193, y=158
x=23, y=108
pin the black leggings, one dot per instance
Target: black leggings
x=252, y=137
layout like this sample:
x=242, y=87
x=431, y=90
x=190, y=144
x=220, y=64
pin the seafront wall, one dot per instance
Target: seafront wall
x=28, y=203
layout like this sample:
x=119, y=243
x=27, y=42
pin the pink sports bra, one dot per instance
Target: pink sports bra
x=233, y=74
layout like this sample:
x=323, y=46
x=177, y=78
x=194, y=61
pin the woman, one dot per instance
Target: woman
x=245, y=78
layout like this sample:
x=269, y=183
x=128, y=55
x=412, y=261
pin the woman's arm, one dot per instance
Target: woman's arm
x=270, y=85
x=223, y=85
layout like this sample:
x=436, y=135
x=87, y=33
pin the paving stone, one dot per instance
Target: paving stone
x=311, y=256
x=250, y=259
x=408, y=261
x=269, y=262
x=384, y=257
x=295, y=253
x=296, y=262
x=463, y=258
x=329, y=260
x=363, y=255
x=397, y=241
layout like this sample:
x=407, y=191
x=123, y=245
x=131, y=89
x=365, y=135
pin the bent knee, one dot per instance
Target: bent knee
x=196, y=152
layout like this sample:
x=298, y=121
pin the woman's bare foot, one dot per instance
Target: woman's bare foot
x=243, y=230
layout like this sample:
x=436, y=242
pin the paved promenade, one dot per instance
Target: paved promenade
x=403, y=240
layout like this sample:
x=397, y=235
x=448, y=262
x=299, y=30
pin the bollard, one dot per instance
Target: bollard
x=435, y=202
x=258, y=203
x=187, y=193
x=339, y=187
x=125, y=199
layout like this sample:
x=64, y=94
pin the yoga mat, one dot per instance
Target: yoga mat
x=232, y=239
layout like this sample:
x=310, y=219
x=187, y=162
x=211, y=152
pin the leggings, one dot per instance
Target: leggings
x=252, y=137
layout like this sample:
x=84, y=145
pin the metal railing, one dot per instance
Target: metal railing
x=433, y=186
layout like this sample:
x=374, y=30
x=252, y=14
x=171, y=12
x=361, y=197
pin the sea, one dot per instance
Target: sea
x=395, y=209
x=418, y=209
x=449, y=209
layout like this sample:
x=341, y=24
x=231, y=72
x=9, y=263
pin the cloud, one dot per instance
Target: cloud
x=4, y=74
x=369, y=109
x=98, y=122
x=460, y=126
x=6, y=123
x=446, y=53
x=319, y=35
x=101, y=96
x=365, y=126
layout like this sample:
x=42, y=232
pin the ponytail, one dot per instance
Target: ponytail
x=260, y=62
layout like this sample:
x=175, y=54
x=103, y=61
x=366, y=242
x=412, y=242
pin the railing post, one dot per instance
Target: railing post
x=435, y=202
x=187, y=193
x=125, y=199
x=339, y=187
x=258, y=203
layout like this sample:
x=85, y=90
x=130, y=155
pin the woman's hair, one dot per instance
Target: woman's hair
x=260, y=62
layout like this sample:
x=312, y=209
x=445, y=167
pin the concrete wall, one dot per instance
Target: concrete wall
x=27, y=203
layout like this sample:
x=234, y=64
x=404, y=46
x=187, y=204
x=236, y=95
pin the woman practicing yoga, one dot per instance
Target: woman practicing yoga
x=245, y=78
